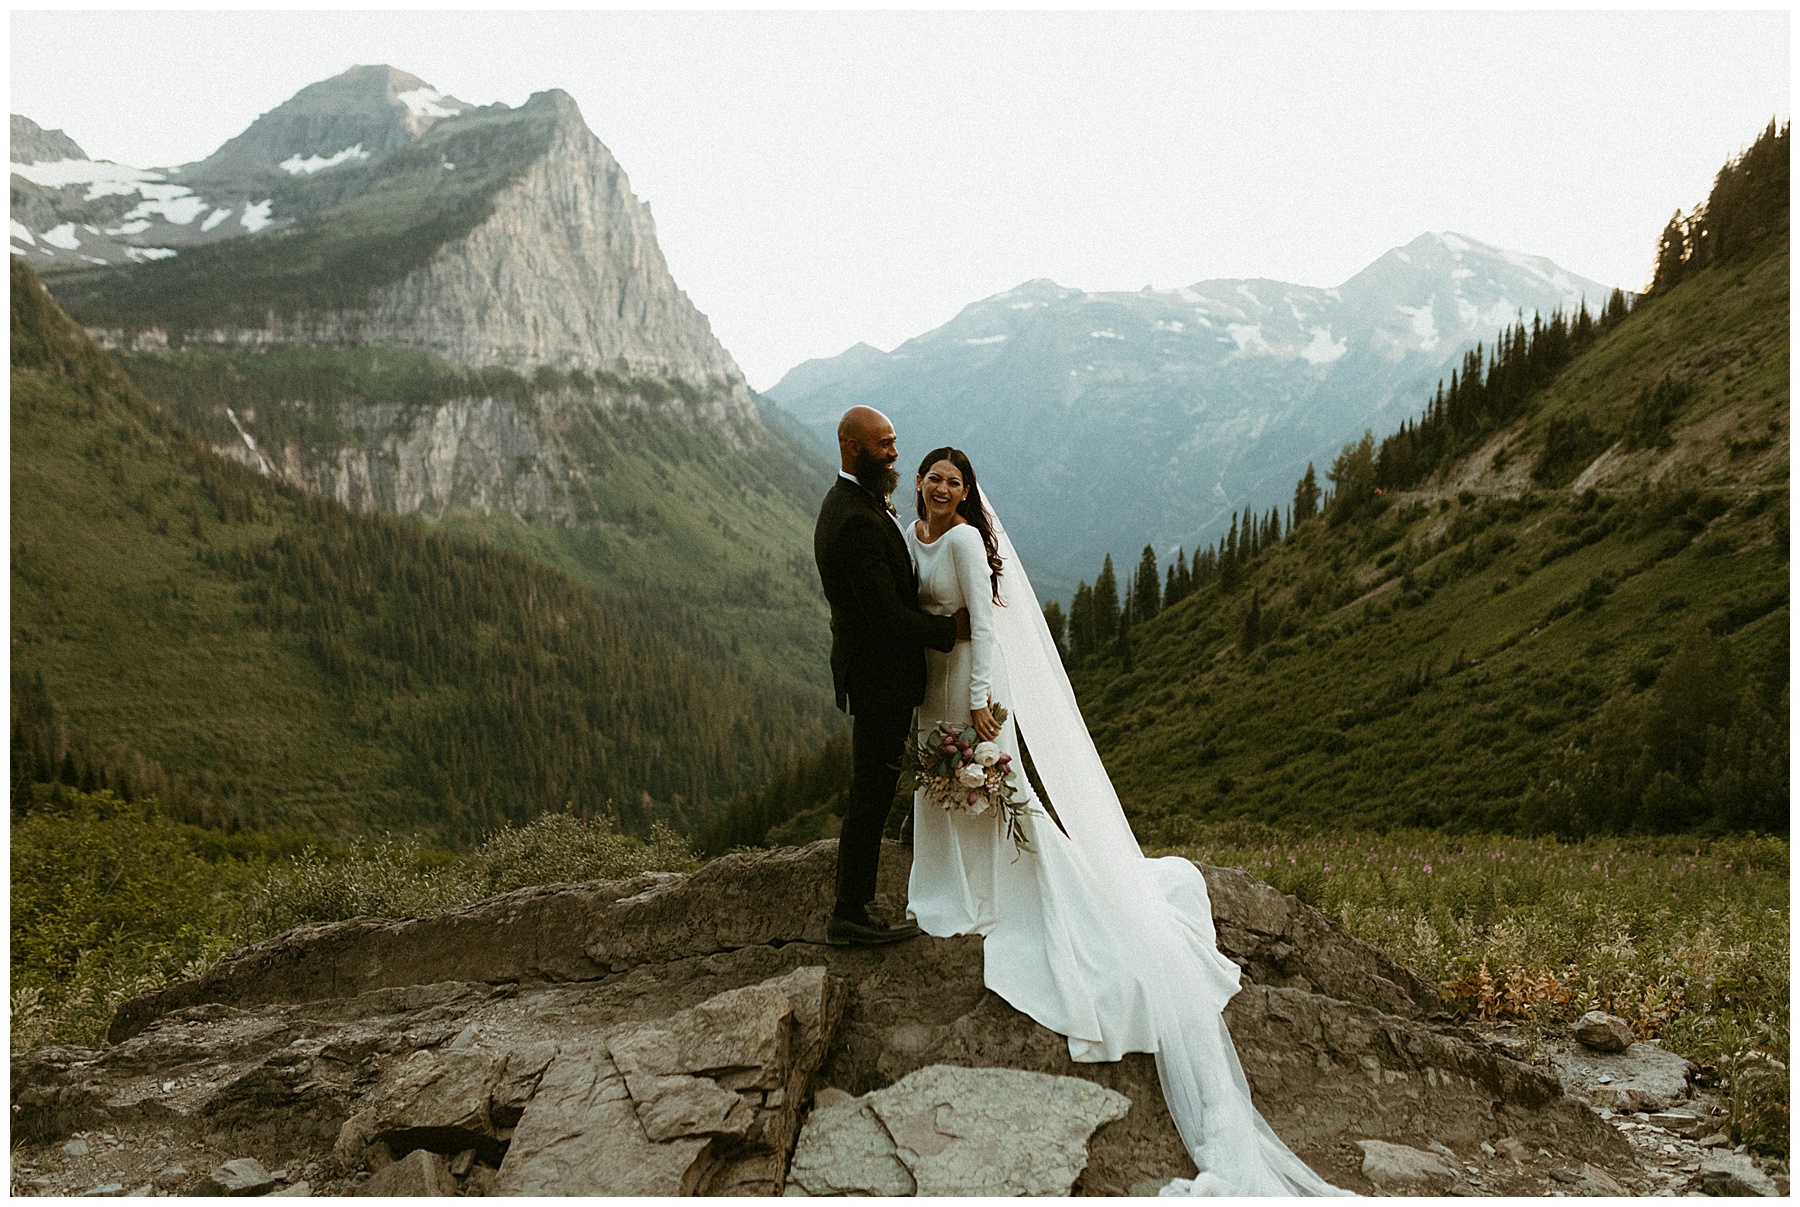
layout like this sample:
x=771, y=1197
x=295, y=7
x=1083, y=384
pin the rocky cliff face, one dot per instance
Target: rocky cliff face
x=530, y=458
x=679, y=1034
x=565, y=272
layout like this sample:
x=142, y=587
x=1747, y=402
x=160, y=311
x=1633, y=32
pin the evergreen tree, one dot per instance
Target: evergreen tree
x=1672, y=252
x=1106, y=604
x=1122, y=641
x=1306, y=497
x=1251, y=636
x=1084, y=637
x=1229, y=572
x=1146, y=592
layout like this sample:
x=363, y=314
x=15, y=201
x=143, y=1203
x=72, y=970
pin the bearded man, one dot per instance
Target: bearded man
x=879, y=635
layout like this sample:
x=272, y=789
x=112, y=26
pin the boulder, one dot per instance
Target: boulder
x=1732, y=1175
x=945, y=1130
x=1404, y=1167
x=419, y=1173
x=242, y=1176
x=441, y=1100
x=1601, y=1032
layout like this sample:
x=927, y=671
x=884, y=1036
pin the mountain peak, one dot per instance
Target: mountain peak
x=31, y=143
x=353, y=116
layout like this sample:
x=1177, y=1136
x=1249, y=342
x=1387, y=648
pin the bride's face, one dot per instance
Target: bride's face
x=943, y=488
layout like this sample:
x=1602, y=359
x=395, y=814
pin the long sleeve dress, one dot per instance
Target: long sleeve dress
x=1051, y=937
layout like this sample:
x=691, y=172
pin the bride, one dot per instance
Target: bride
x=1081, y=931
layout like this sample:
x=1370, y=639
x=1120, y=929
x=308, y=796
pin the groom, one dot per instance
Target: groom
x=879, y=636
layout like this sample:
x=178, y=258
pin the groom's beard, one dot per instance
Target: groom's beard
x=876, y=476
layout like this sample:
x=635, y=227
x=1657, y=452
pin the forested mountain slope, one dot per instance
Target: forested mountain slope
x=258, y=655
x=1580, y=623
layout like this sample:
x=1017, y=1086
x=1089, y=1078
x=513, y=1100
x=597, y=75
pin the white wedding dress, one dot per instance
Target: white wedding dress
x=1081, y=933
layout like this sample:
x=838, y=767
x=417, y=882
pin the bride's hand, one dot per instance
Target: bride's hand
x=985, y=726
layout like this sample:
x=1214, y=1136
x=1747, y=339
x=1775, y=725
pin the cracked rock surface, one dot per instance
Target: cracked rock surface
x=945, y=1130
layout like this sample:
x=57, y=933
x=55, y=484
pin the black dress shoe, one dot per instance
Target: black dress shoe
x=842, y=931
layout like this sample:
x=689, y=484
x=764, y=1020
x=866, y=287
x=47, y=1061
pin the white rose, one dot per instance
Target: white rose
x=971, y=776
x=987, y=753
x=980, y=806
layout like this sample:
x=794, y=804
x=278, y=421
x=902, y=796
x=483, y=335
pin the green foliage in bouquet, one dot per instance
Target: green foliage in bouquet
x=962, y=774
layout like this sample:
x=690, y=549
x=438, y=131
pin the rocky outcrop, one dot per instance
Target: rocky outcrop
x=669, y=1034
x=31, y=143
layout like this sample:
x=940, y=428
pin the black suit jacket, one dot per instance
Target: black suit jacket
x=879, y=634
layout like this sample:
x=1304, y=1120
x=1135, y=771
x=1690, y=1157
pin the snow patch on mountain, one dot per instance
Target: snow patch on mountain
x=293, y=165
x=1423, y=322
x=423, y=102
x=62, y=236
x=213, y=219
x=104, y=175
x=171, y=201
x=255, y=217
x=987, y=339
x=19, y=232
x=1323, y=349
x=1249, y=339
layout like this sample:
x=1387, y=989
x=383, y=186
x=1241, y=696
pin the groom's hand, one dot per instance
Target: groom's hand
x=961, y=617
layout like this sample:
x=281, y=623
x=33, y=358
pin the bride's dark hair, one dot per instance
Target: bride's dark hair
x=969, y=509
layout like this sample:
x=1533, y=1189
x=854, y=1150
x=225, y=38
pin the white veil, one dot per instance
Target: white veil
x=1185, y=980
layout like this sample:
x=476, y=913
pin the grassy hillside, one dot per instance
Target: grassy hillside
x=1487, y=653
x=260, y=657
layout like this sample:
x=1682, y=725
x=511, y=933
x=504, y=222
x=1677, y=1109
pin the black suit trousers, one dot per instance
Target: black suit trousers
x=877, y=746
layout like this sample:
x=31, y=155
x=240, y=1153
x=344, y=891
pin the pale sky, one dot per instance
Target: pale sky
x=823, y=178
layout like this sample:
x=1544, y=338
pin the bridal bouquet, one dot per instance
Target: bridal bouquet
x=961, y=774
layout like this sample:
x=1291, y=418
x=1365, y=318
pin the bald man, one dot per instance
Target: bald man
x=879, y=636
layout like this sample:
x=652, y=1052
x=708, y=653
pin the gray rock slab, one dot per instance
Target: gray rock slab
x=438, y=1099
x=958, y=1131
x=1399, y=1165
x=1644, y=1077
x=242, y=1176
x=419, y=1174
x=1732, y=1175
x=845, y=1150
x=580, y=1135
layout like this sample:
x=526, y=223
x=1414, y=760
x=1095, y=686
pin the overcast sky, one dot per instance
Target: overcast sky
x=823, y=178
